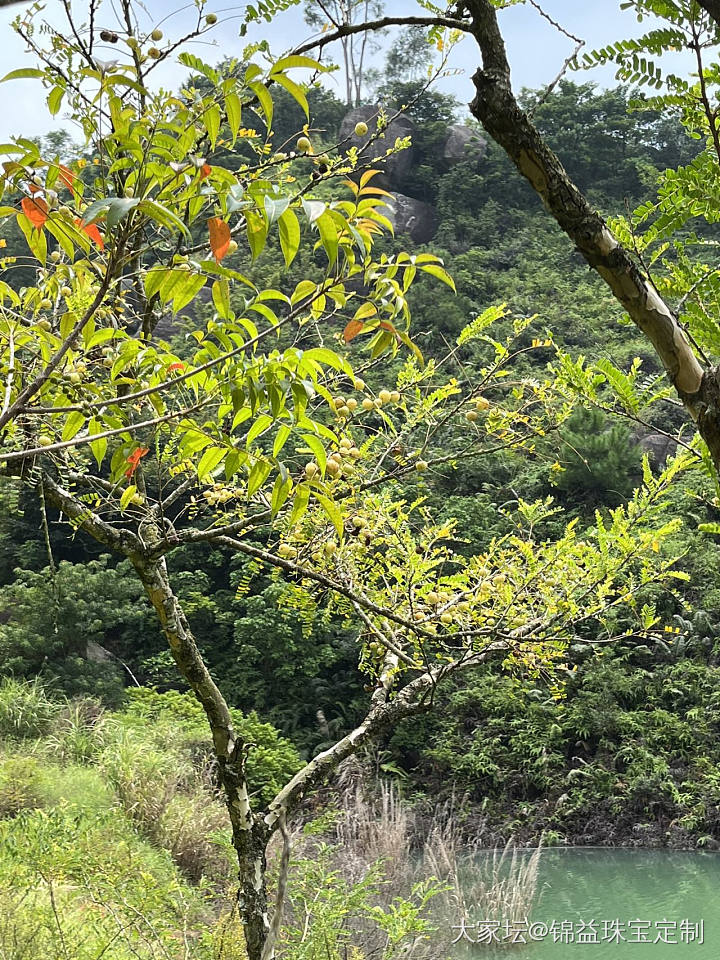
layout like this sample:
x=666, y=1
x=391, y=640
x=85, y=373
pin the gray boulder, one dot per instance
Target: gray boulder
x=415, y=218
x=657, y=446
x=395, y=168
x=463, y=143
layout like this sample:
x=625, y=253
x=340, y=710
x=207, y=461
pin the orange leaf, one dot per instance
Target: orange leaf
x=352, y=330
x=36, y=210
x=67, y=177
x=205, y=171
x=92, y=231
x=134, y=459
x=219, y=237
x=176, y=366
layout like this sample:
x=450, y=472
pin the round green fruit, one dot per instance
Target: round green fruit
x=211, y=19
x=361, y=129
x=44, y=440
x=156, y=35
x=304, y=145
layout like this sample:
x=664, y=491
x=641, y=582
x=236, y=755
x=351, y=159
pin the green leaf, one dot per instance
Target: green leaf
x=316, y=445
x=24, y=73
x=98, y=448
x=260, y=426
x=265, y=100
x=257, y=231
x=211, y=459
x=435, y=270
x=187, y=290
x=54, y=100
x=328, y=236
x=300, y=504
x=258, y=476
x=296, y=61
x=127, y=496
x=221, y=297
x=289, y=228
x=233, y=109
x=332, y=511
x=212, y=119
x=281, y=439
x=295, y=91
x=281, y=491
x=73, y=424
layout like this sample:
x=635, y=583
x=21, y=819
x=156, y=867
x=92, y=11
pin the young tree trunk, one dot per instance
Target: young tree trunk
x=249, y=833
x=497, y=109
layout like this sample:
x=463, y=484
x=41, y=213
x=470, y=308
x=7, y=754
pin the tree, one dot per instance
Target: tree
x=692, y=25
x=357, y=48
x=258, y=428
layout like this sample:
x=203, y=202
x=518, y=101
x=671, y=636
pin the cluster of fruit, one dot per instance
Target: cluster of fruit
x=110, y=36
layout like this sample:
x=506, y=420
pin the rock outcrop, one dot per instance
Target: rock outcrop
x=463, y=143
x=395, y=168
x=413, y=217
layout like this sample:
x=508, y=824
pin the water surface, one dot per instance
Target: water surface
x=619, y=904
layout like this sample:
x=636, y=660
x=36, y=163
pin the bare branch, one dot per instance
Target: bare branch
x=348, y=29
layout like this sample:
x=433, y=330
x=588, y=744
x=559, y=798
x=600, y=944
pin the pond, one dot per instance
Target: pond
x=610, y=903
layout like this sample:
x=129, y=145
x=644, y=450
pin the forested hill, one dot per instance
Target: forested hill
x=626, y=750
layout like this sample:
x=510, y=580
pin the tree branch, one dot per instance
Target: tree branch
x=712, y=8
x=411, y=700
x=348, y=29
x=497, y=109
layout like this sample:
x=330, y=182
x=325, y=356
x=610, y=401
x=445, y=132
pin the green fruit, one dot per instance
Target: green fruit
x=472, y=415
x=232, y=246
x=74, y=377
x=421, y=466
x=361, y=129
x=46, y=304
x=304, y=145
x=55, y=256
x=43, y=325
x=385, y=396
x=44, y=440
x=211, y=19
x=66, y=291
x=156, y=35
x=311, y=470
x=368, y=404
x=154, y=53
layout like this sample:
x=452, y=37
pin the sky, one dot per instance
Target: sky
x=536, y=49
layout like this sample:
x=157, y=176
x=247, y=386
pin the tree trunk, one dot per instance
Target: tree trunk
x=497, y=109
x=249, y=833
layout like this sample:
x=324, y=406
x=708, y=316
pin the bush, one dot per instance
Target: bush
x=25, y=710
x=272, y=759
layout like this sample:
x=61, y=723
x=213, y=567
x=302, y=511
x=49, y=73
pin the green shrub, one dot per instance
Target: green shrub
x=25, y=709
x=19, y=785
x=272, y=759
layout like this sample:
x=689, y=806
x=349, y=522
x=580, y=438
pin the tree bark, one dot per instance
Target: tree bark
x=712, y=8
x=495, y=106
x=249, y=833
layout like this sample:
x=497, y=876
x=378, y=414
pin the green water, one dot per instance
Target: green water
x=617, y=887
